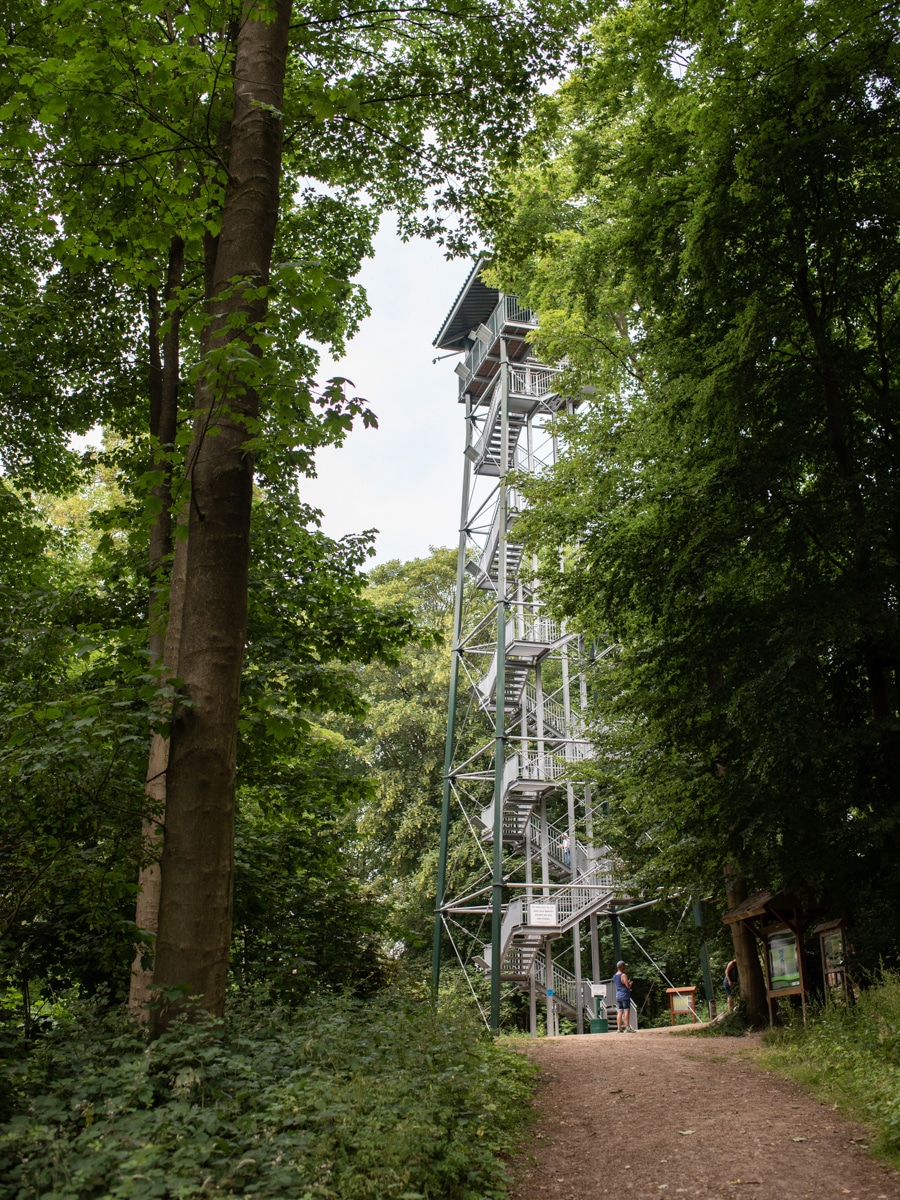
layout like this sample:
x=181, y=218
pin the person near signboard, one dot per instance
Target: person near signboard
x=623, y=999
x=731, y=982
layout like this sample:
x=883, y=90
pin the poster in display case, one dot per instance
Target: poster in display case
x=833, y=947
x=784, y=962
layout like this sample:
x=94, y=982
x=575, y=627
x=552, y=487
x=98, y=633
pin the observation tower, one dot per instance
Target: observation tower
x=520, y=879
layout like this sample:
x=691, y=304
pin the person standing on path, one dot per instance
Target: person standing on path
x=623, y=999
x=731, y=982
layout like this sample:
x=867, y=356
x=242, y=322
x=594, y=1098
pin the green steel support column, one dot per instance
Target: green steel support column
x=704, y=962
x=500, y=711
x=617, y=937
x=440, y=892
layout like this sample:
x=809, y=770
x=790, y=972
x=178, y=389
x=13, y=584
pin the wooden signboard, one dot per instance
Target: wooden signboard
x=682, y=1000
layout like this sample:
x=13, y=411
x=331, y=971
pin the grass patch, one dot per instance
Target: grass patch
x=849, y=1057
x=350, y=1101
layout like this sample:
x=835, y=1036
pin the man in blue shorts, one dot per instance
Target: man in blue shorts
x=623, y=999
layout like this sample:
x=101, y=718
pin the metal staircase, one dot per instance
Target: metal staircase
x=526, y=644
x=554, y=714
x=486, y=572
x=570, y=998
x=520, y=793
x=526, y=924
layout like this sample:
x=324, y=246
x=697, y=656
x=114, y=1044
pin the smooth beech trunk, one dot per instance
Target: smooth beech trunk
x=150, y=877
x=165, y=369
x=197, y=864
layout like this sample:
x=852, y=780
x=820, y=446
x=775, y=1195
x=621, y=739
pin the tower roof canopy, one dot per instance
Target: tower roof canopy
x=474, y=304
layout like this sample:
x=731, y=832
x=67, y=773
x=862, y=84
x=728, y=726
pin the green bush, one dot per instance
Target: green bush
x=387, y=1098
x=850, y=1056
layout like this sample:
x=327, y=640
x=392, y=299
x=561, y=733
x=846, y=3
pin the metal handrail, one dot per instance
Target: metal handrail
x=479, y=449
x=556, y=835
x=513, y=507
x=532, y=380
x=564, y=984
x=526, y=765
x=538, y=629
x=554, y=713
x=508, y=310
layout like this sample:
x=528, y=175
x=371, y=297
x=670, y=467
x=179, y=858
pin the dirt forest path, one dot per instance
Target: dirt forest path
x=659, y=1114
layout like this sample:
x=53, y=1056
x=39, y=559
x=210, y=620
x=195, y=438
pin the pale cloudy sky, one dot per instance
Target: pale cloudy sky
x=403, y=478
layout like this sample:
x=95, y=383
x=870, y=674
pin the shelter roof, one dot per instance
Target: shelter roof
x=474, y=304
x=837, y=923
x=763, y=904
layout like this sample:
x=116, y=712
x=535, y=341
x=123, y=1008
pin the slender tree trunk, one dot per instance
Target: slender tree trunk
x=198, y=856
x=149, y=880
x=746, y=951
x=165, y=368
x=163, y=425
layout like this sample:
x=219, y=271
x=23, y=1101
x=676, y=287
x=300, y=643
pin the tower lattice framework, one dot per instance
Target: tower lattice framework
x=520, y=879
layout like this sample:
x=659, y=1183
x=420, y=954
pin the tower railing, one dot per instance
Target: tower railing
x=554, y=713
x=540, y=630
x=534, y=381
x=530, y=764
x=556, y=845
x=508, y=312
x=565, y=986
x=574, y=900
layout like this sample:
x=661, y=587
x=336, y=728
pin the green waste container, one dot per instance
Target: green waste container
x=599, y=1025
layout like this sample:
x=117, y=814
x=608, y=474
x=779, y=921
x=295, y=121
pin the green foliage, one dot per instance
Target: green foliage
x=304, y=918
x=850, y=1057
x=310, y=622
x=78, y=701
x=115, y=136
x=707, y=222
x=406, y=721
x=730, y=1024
x=304, y=922
x=402, y=739
x=351, y=1101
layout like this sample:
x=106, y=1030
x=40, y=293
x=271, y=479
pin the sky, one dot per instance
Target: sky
x=403, y=478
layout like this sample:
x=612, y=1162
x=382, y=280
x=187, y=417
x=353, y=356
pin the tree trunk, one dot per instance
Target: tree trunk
x=165, y=369
x=149, y=879
x=198, y=857
x=746, y=951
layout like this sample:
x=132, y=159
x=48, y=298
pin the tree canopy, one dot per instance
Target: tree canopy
x=707, y=222
x=190, y=190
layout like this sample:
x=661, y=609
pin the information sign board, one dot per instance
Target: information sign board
x=784, y=965
x=542, y=914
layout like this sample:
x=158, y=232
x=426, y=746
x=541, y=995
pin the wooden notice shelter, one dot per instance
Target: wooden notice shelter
x=779, y=921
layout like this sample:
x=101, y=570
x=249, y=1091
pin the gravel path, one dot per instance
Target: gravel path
x=660, y=1114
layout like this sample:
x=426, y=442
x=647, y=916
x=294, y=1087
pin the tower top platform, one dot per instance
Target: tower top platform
x=472, y=306
x=482, y=317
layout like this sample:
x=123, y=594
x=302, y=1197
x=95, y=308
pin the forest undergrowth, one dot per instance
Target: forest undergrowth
x=341, y=1100
x=849, y=1056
